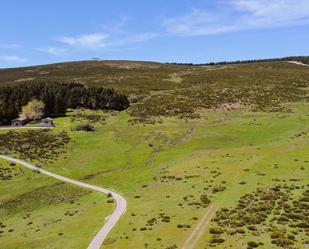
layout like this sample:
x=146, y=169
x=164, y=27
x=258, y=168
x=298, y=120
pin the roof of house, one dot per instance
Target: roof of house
x=21, y=118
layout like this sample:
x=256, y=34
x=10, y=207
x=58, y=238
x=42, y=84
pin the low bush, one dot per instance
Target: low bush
x=84, y=127
x=41, y=145
x=216, y=230
x=216, y=240
x=252, y=244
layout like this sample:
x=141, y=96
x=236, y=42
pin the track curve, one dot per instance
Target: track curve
x=121, y=203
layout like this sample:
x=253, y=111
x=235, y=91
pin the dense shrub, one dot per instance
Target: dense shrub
x=216, y=230
x=84, y=127
x=42, y=145
x=252, y=244
x=268, y=211
x=216, y=240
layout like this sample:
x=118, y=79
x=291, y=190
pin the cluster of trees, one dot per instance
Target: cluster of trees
x=303, y=59
x=57, y=98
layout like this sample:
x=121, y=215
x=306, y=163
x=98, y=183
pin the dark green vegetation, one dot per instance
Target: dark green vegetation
x=57, y=97
x=82, y=116
x=34, y=145
x=8, y=171
x=43, y=196
x=302, y=59
x=274, y=211
x=172, y=90
x=84, y=127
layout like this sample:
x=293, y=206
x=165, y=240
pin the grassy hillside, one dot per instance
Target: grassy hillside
x=174, y=90
x=39, y=212
x=240, y=170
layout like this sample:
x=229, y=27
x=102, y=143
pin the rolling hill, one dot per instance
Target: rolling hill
x=206, y=156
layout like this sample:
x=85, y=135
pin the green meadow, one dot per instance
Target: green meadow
x=171, y=173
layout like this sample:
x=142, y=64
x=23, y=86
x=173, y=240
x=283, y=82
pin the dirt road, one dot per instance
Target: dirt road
x=298, y=63
x=121, y=203
x=199, y=230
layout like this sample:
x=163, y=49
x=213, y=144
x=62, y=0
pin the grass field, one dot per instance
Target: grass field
x=230, y=140
x=38, y=212
x=168, y=172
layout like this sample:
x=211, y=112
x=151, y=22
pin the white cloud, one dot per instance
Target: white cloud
x=97, y=41
x=277, y=9
x=198, y=22
x=13, y=59
x=89, y=41
x=114, y=34
x=53, y=50
x=275, y=13
x=236, y=15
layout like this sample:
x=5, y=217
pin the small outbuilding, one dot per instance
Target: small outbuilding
x=22, y=120
x=47, y=122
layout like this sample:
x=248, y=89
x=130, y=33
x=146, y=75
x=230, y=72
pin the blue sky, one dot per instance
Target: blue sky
x=44, y=31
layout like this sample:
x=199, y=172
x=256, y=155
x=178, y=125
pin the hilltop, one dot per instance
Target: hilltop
x=157, y=89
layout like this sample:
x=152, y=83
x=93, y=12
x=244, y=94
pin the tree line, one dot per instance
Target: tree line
x=302, y=59
x=57, y=98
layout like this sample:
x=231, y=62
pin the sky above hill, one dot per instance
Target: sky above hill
x=42, y=31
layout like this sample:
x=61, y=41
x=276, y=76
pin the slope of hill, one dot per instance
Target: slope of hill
x=179, y=90
x=225, y=165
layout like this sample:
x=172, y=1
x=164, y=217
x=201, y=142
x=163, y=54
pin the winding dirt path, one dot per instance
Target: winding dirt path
x=299, y=63
x=199, y=230
x=98, y=240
